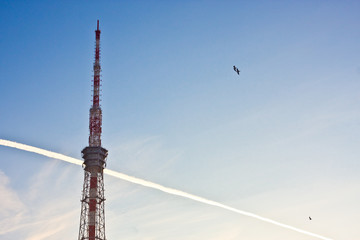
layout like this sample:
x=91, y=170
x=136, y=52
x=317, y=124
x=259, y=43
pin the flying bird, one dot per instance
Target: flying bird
x=236, y=70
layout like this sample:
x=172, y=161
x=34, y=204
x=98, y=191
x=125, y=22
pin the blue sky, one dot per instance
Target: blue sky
x=280, y=140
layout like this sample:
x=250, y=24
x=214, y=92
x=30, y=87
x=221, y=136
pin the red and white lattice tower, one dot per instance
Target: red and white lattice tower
x=92, y=217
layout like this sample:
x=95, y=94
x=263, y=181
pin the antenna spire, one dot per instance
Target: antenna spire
x=95, y=110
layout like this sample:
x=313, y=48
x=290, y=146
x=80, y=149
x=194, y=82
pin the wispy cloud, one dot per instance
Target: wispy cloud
x=10, y=202
x=12, y=209
x=52, y=224
x=43, y=208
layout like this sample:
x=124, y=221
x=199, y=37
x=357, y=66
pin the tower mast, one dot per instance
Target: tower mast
x=92, y=217
x=95, y=111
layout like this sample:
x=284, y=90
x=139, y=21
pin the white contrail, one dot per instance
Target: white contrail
x=154, y=186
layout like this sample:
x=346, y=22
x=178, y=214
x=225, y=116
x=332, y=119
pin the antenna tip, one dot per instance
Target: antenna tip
x=97, y=24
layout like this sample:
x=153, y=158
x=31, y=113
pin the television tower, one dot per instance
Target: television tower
x=92, y=217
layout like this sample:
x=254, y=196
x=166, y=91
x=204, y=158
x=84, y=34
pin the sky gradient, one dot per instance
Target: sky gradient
x=281, y=140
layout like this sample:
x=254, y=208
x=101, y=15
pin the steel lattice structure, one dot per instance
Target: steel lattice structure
x=92, y=217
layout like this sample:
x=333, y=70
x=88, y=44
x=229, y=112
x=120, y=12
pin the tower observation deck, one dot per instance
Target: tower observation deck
x=92, y=217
